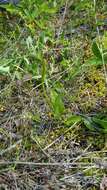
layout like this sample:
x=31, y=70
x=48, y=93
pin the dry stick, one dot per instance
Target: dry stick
x=62, y=19
x=95, y=152
x=70, y=176
x=89, y=166
x=64, y=164
x=39, y=145
x=15, y=181
x=10, y=148
x=81, y=154
x=44, y=150
x=60, y=136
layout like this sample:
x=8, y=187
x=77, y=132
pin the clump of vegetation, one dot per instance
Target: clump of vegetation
x=53, y=101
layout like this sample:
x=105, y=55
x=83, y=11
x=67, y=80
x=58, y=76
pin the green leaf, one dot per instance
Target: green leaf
x=88, y=123
x=96, y=50
x=102, y=123
x=36, y=117
x=57, y=103
x=72, y=119
x=4, y=70
x=94, y=61
x=105, y=57
x=46, y=9
x=95, y=123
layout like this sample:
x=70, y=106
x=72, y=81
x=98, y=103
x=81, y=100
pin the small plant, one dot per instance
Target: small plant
x=94, y=123
x=99, y=52
x=57, y=103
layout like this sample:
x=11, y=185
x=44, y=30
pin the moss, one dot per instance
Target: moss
x=93, y=88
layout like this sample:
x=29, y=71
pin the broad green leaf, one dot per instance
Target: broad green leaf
x=88, y=123
x=57, y=103
x=4, y=70
x=94, y=61
x=96, y=50
x=72, y=119
x=101, y=122
x=46, y=9
x=96, y=124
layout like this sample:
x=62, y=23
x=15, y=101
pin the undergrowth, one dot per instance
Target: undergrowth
x=53, y=95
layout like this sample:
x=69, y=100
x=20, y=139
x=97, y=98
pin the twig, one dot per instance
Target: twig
x=39, y=145
x=62, y=19
x=56, y=140
x=64, y=164
x=10, y=148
